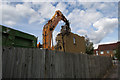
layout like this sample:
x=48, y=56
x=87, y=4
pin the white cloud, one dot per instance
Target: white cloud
x=18, y=14
x=86, y=5
x=9, y=14
x=104, y=26
x=96, y=14
x=62, y=0
x=9, y=23
x=24, y=11
x=29, y=13
x=82, y=32
x=54, y=36
x=62, y=7
x=97, y=0
x=47, y=10
x=83, y=18
x=108, y=9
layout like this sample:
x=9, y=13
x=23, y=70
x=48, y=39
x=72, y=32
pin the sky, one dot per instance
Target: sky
x=97, y=20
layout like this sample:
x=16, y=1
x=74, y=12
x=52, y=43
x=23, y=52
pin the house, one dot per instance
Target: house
x=107, y=49
x=72, y=43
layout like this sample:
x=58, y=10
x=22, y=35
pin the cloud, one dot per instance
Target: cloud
x=93, y=19
x=87, y=5
x=104, y=26
x=54, y=36
x=18, y=14
x=62, y=7
x=26, y=14
x=119, y=33
x=82, y=32
x=47, y=10
x=97, y=0
x=83, y=18
x=107, y=8
x=62, y=0
x=9, y=23
x=8, y=16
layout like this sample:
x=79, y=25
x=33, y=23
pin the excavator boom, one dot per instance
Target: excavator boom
x=49, y=28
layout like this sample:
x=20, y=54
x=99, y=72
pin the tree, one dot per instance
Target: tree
x=89, y=46
x=118, y=53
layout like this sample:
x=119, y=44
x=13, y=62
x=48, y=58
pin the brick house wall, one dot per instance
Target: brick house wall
x=73, y=43
x=107, y=53
x=107, y=49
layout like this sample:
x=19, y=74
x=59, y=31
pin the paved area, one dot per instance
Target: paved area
x=113, y=72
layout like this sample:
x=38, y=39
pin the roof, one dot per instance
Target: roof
x=111, y=46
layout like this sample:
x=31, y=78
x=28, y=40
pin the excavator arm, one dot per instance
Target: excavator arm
x=49, y=28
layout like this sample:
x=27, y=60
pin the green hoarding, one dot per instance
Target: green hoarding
x=12, y=37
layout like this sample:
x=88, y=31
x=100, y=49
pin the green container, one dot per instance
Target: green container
x=12, y=37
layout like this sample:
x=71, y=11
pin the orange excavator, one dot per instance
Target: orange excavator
x=49, y=28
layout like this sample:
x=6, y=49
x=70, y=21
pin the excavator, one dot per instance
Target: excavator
x=49, y=28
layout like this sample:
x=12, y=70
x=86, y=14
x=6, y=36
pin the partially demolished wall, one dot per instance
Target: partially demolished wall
x=72, y=43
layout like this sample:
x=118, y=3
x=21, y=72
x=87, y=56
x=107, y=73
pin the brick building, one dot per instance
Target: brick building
x=107, y=49
x=72, y=43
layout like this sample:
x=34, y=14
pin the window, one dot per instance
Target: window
x=101, y=52
x=108, y=52
x=74, y=40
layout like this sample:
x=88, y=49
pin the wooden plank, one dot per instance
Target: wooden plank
x=19, y=62
x=13, y=60
x=10, y=63
x=4, y=61
x=80, y=67
x=48, y=62
x=86, y=66
x=38, y=63
x=76, y=66
x=61, y=65
x=29, y=62
x=59, y=68
x=23, y=64
x=52, y=64
x=69, y=65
